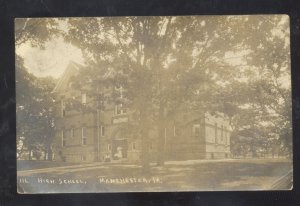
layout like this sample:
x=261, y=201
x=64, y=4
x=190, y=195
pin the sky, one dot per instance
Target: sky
x=52, y=61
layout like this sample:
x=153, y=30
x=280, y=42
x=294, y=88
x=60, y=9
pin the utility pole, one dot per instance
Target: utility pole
x=98, y=135
x=100, y=106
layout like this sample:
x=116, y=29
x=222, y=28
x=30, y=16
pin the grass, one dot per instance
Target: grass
x=174, y=176
x=38, y=164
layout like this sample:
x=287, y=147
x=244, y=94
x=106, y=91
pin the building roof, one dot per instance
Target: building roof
x=71, y=70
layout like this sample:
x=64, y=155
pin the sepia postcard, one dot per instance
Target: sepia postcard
x=153, y=104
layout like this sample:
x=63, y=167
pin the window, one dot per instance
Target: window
x=119, y=109
x=222, y=133
x=102, y=131
x=83, y=131
x=100, y=105
x=100, y=101
x=216, y=132
x=63, y=139
x=174, y=131
x=121, y=92
x=228, y=138
x=109, y=147
x=83, y=98
x=83, y=136
x=196, y=130
x=151, y=145
x=133, y=146
x=83, y=158
x=72, y=133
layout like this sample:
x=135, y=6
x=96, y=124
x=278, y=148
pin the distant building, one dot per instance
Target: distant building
x=87, y=135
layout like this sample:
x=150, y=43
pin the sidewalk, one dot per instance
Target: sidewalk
x=99, y=165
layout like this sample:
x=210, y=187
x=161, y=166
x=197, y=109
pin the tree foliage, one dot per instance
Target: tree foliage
x=35, y=30
x=34, y=104
x=167, y=63
x=237, y=65
x=35, y=118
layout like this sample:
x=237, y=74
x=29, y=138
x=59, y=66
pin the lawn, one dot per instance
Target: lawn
x=37, y=164
x=174, y=176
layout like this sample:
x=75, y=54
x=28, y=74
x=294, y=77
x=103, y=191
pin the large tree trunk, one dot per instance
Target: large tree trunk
x=144, y=139
x=145, y=152
x=29, y=154
x=160, y=146
x=161, y=137
x=20, y=152
x=45, y=152
x=50, y=154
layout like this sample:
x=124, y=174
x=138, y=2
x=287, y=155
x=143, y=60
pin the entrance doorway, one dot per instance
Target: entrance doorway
x=119, y=148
